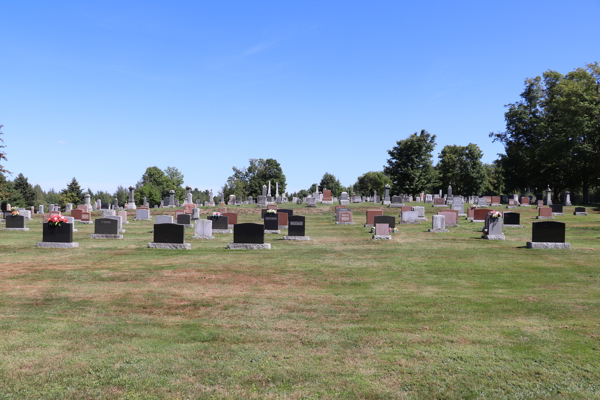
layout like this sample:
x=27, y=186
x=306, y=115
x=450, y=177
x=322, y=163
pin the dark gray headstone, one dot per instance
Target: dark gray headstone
x=106, y=226
x=397, y=199
x=15, y=221
x=548, y=232
x=185, y=219
x=58, y=234
x=296, y=225
x=385, y=219
x=219, y=222
x=169, y=233
x=271, y=222
x=579, y=209
x=249, y=233
x=512, y=218
x=557, y=208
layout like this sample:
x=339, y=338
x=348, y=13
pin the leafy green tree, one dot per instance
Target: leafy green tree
x=371, y=181
x=122, y=195
x=494, y=182
x=329, y=181
x=462, y=167
x=22, y=185
x=104, y=197
x=40, y=195
x=162, y=181
x=4, y=193
x=410, y=165
x=249, y=181
x=52, y=197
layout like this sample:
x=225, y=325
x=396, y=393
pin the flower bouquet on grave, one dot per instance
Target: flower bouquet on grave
x=55, y=220
x=272, y=211
x=14, y=213
x=495, y=215
x=216, y=214
x=393, y=230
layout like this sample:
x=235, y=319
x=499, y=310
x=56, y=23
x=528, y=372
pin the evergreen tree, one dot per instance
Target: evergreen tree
x=22, y=185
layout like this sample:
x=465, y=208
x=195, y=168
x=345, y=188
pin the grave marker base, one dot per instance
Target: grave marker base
x=296, y=238
x=513, y=226
x=439, y=205
x=511, y=206
x=524, y=205
x=17, y=229
x=382, y=237
x=105, y=236
x=221, y=231
x=170, y=246
x=344, y=202
x=283, y=227
x=438, y=230
x=326, y=201
x=547, y=246
x=57, y=245
x=369, y=225
x=580, y=213
x=274, y=232
x=84, y=222
x=396, y=205
x=493, y=237
x=249, y=246
x=346, y=223
x=558, y=214
x=539, y=217
x=203, y=237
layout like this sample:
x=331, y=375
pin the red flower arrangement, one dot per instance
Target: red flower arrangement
x=55, y=220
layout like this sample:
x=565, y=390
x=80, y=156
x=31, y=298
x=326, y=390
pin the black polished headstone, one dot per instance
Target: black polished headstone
x=220, y=222
x=263, y=211
x=296, y=225
x=15, y=221
x=104, y=206
x=58, y=234
x=579, y=209
x=512, y=218
x=249, y=233
x=185, y=219
x=271, y=222
x=169, y=233
x=557, y=208
x=106, y=226
x=385, y=219
x=396, y=199
x=548, y=232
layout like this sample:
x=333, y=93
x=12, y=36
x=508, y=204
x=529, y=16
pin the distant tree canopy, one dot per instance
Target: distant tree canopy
x=371, y=181
x=72, y=194
x=248, y=181
x=25, y=189
x=330, y=182
x=155, y=184
x=410, y=165
x=462, y=167
x=4, y=194
x=552, y=134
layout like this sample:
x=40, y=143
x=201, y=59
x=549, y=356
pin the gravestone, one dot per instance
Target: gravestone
x=54, y=236
x=76, y=213
x=420, y=213
x=220, y=224
x=164, y=219
x=123, y=215
x=232, y=219
x=185, y=220
x=479, y=214
x=439, y=202
x=248, y=237
x=494, y=229
x=120, y=219
x=567, y=199
x=524, y=202
x=557, y=209
x=495, y=200
x=71, y=221
x=68, y=208
x=142, y=214
x=385, y=219
x=396, y=201
x=512, y=219
x=386, y=195
x=460, y=207
x=450, y=218
x=370, y=215
x=203, y=229
x=545, y=213
x=109, y=213
x=580, y=211
x=296, y=228
x=106, y=228
x=86, y=218
x=438, y=223
x=311, y=202
x=344, y=200
x=271, y=223
x=409, y=217
x=15, y=223
x=548, y=235
x=382, y=231
x=169, y=236
x=482, y=202
x=283, y=220
x=511, y=203
x=345, y=218
x=428, y=198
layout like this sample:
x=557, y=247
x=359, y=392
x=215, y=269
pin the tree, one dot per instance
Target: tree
x=24, y=187
x=158, y=183
x=4, y=193
x=410, y=164
x=329, y=181
x=122, y=195
x=40, y=196
x=72, y=194
x=371, y=181
x=494, y=182
x=461, y=167
x=249, y=181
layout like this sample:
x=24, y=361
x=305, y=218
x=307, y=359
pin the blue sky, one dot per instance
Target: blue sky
x=102, y=90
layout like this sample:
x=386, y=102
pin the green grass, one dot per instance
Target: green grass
x=431, y=316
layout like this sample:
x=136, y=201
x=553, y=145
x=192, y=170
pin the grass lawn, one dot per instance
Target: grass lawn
x=424, y=316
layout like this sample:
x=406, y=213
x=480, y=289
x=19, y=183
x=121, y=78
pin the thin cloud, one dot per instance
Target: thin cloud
x=62, y=142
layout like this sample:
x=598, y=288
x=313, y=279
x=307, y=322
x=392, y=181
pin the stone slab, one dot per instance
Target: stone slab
x=170, y=246
x=345, y=223
x=203, y=237
x=249, y=246
x=396, y=205
x=274, y=232
x=17, y=229
x=382, y=237
x=136, y=219
x=493, y=237
x=438, y=230
x=57, y=245
x=296, y=238
x=105, y=236
x=540, y=217
x=558, y=214
x=369, y=225
x=580, y=213
x=283, y=227
x=547, y=246
x=85, y=222
x=513, y=226
x=222, y=231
